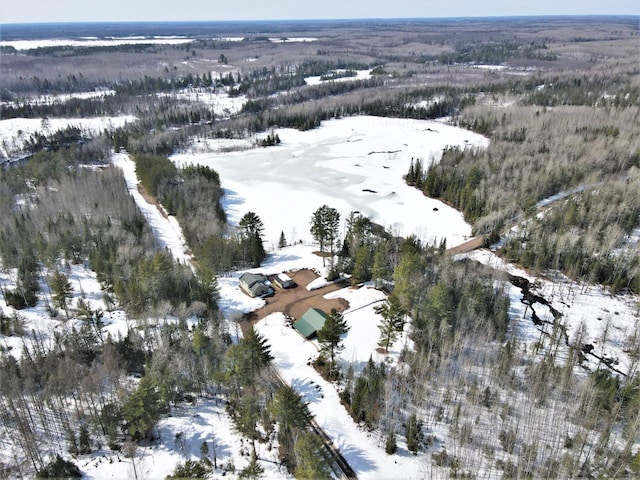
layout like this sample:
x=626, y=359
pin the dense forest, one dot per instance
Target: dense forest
x=557, y=190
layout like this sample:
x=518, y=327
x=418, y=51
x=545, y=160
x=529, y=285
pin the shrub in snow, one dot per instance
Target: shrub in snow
x=390, y=445
x=60, y=468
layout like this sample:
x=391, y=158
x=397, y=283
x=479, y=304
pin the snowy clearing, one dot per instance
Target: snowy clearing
x=63, y=97
x=15, y=131
x=221, y=103
x=360, y=75
x=165, y=227
x=181, y=436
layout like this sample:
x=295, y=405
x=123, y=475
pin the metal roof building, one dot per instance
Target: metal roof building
x=312, y=321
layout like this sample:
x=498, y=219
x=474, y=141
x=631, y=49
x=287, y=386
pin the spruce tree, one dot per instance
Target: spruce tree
x=251, y=228
x=362, y=266
x=392, y=322
x=390, y=444
x=329, y=337
x=61, y=290
x=292, y=415
x=142, y=409
x=413, y=432
x=311, y=459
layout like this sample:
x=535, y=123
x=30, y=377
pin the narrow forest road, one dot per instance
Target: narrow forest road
x=466, y=247
x=165, y=228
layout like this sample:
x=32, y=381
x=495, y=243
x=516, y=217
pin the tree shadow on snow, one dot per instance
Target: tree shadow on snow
x=310, y=391
x=277, y=258
x=359, y=460
x=230, y=199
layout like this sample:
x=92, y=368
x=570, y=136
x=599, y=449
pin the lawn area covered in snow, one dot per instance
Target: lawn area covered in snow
x=351, y=164
x=363, y=450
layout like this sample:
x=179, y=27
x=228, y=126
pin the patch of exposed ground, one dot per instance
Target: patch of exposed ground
x=293, y=302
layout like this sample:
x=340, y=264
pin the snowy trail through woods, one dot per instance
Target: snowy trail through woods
x=165, y=228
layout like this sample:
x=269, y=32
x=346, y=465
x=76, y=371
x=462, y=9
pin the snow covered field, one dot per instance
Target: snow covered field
x=15, y=131
x=360, y=75
x=351, y=164
x=94, y=42
x=64, y=97
x=221, y=103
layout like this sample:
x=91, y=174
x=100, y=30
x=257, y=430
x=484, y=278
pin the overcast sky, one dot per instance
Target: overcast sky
x=36, y=11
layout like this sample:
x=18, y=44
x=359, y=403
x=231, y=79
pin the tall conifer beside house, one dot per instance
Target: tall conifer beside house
x=324, y=228
x=251, y=228
x=330, y=337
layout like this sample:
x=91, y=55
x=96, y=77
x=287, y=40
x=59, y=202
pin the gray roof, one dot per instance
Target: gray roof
x=251, y=278
x=254, y=284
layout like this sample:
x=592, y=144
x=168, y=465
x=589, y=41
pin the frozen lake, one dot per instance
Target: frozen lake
x=351, y=164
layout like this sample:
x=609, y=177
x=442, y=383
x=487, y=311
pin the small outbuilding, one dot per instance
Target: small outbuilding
x=255, y=285
x=309, y=324
x=283, y=280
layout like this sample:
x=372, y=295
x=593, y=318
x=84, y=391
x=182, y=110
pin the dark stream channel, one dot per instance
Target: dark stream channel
x=531, y=299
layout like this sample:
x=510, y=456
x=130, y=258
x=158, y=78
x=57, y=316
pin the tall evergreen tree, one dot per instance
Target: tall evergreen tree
x=330, y=337
x=246, y=419
x=380, y=269
x=311, y=458
x=282, y=242
x=142, y=410
x=413, y=432
x=251, y=228
x=392, y=322
x=243, y=361
x=291, y=412
x=61, y=290
x=362, y=266
x=324, y=228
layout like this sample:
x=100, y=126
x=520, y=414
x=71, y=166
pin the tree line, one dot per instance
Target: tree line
x=534, y=154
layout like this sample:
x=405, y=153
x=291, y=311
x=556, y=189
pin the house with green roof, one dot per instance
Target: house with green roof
x=309, y=324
